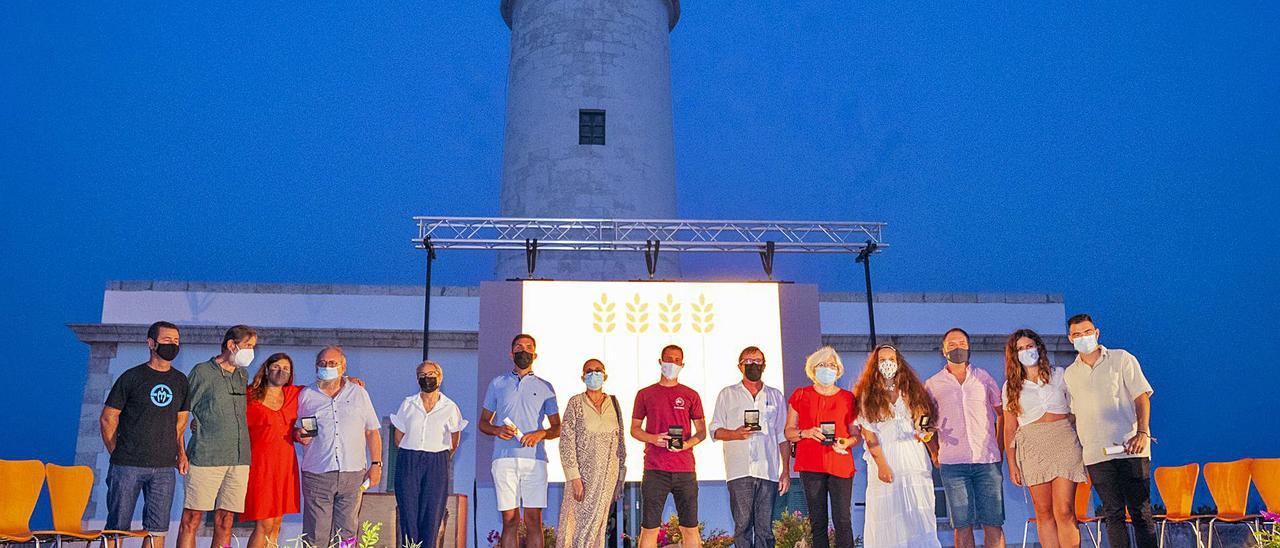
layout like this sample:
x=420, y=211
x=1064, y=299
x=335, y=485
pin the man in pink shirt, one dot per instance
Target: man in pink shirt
x=968, y=445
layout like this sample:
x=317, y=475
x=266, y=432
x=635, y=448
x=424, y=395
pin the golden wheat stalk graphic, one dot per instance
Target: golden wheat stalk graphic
x=703, y=315
x=603, y=315
x=637, y=315
x=669, y=315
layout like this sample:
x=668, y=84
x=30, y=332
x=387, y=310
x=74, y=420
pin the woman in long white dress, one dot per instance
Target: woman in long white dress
x=900, y=496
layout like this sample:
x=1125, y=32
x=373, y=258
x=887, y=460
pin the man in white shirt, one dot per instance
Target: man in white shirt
x=334, y=464
x=749, y=420
x=1111, y=400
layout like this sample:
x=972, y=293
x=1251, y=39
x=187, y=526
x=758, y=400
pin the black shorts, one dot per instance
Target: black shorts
x=654, y=487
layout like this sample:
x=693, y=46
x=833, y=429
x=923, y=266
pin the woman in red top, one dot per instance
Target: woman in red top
x=273, y=472
x=823, y=458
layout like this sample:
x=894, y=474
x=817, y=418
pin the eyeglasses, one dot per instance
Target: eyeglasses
x=331, y=363
x=752, y=362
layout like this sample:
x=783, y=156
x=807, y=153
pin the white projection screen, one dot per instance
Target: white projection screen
x=626, y=324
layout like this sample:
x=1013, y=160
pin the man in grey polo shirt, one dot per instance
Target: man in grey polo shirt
x=1111, y=400
x=334, y=464
x=218, y=452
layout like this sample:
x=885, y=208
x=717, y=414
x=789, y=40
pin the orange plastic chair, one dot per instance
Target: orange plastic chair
x=1266, y=477
x=69, y=488
x=22, y=480
x=1229, y=484
x=1177, y=486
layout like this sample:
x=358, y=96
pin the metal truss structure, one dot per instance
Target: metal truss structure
x=515, y=234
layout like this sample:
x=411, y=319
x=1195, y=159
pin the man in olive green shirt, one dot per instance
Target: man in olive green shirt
x=216, y=461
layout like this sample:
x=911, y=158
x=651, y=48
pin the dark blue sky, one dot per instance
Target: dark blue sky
x=1125, y=157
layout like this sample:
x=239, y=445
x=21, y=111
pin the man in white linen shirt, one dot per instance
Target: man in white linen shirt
x=749, y=419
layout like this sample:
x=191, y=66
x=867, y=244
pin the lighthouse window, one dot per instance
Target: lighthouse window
x=590, y=127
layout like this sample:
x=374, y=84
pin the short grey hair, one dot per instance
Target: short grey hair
x=335, y=348
x=428, y=363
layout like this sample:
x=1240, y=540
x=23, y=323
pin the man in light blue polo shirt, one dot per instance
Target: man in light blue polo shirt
x=514, y=407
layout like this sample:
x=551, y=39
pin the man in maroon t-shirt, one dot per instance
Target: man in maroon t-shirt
x=667, y=405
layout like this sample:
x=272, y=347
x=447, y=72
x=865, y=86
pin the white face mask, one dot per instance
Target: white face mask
x=1085, y=345
x=888, y=368
x=1029, y=357
x=242, y=357
x=327, y=373
x=671, y=370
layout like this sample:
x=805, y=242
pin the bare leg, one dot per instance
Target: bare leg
x=963, y=537
x=992, y=537
x=1064, y=512
x=1046, y=526
x=510, y=528
x=648, y=538
x=188, y=527
x=533, y=527
x=266, y=533
x=222, y=521
x=689, y=537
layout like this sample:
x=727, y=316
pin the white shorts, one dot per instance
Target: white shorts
x=520, y=483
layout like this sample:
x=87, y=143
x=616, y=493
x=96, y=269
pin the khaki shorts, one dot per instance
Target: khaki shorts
x=216, y=487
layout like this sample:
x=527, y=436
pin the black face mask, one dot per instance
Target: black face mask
x=958, y=355
x=278, y=378
x=753, y=371
x=167, y=351
x=523, y=359
x=428, y=384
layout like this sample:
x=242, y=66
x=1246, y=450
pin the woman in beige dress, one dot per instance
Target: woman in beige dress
x=593, y=456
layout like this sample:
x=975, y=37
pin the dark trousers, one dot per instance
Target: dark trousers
x=1125, y=484
x=751, y=501
x=422, y=490
x=125, y=483
x=818, y=487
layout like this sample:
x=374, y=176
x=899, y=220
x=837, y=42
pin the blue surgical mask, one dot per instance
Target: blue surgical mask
x=594, y=380
x=327, y=373
x=825, y=375
x=1086, y=344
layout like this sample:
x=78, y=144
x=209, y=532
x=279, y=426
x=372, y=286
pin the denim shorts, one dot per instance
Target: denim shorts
x=975, y=494
x=125, y=483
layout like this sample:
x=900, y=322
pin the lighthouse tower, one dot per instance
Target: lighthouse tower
x=589, y=125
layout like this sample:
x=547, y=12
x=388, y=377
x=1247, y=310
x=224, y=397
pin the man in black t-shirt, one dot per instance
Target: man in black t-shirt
x=142, y=423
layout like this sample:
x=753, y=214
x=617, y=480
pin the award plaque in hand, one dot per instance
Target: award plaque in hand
x=676, y=437
x=828, y=433
x=309, y=427
x=751, y=418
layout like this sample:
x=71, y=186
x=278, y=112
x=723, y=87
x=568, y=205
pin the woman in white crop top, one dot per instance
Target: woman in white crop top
x=1044, y=452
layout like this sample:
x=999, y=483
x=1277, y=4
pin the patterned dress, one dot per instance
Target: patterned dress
x=592, y=448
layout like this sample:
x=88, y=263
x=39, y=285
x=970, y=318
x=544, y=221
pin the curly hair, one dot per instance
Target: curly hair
x=874, y=398
x=1015, y=374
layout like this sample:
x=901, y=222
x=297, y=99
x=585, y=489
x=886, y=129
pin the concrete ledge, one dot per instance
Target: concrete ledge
x=474, y=291
x=933, y=343
x=212, y=334
x=292, y=289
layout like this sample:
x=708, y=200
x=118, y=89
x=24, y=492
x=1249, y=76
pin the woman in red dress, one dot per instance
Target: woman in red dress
x=273, y=472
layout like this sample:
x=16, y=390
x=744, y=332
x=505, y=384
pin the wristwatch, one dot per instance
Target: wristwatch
x=375, y=463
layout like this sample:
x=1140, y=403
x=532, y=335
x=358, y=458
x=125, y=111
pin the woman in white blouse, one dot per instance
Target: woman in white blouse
x=1044, y=452
x=427, y=428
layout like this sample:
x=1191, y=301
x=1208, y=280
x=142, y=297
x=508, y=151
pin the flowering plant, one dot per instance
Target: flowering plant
x=494, y=537
x=669, y=535
x=1265, y=538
